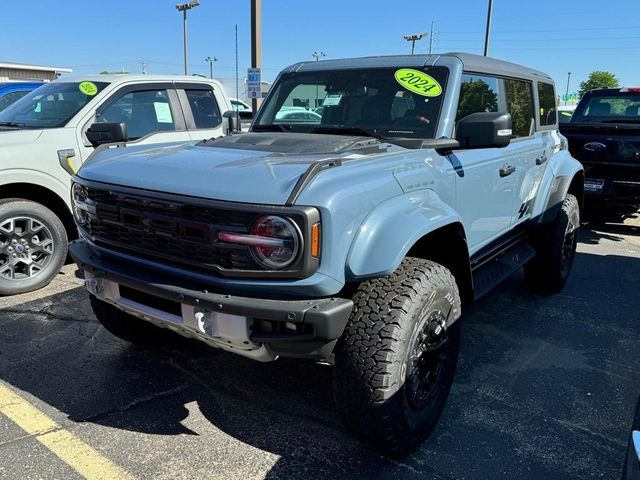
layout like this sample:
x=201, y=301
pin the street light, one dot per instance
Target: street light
x=566, y=95
x=210, y=60
x=413, y=39
x=317, y=56
x=488, y=30
x=183, y=7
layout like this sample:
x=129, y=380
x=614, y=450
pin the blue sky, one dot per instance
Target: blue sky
x=89, y=36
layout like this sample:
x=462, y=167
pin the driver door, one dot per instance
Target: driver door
x=151, y=113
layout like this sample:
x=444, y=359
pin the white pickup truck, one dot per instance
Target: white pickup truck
x=47, y=135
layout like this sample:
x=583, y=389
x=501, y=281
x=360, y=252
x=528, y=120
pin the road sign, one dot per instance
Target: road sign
x=253, y=83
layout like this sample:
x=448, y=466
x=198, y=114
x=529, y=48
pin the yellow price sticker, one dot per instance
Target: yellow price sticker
x=418, y=82
x=88, y=88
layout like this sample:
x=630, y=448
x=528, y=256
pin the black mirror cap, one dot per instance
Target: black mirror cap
x=484, y=130
x=231, y=120
x=103, y=133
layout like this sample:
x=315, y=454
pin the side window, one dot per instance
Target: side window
x=477, y=94
x=143, y=111
x=548, y=110
x=519, y=96
x=206, y=113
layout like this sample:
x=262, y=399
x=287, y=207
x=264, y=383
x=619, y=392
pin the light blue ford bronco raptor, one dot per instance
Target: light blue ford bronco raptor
x=370, y=202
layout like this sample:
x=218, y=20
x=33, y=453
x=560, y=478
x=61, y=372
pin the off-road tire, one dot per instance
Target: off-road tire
x=23, y=279
x=373, y=365
x=555, y=244
x=131, y=329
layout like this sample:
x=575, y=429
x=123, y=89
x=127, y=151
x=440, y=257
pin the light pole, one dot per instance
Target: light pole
x=210, y=60
x=487, y=31
x=317, y=56
x=183, y=7
x=566, y=93
x=413, y=38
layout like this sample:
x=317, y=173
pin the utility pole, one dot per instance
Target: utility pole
x=183, y=7
x=256, y=44
x=413, y=38
x=566, y=95
x=210, y=61
x=431, y=39
x=486, y=34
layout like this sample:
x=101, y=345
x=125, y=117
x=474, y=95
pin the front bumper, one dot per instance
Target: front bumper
x=260, y=328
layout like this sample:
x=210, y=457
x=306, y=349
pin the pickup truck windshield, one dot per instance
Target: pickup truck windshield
x=619, y=107
x=380, y=102
x=51, y=105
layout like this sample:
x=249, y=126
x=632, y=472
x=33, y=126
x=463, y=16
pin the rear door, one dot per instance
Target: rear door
x=202, y=105
x=526, y=152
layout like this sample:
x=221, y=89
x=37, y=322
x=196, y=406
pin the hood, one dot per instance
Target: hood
x=252, y=168
x=10, y=137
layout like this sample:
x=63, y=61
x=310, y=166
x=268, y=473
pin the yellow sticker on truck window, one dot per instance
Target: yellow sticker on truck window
x=88, y=88
x=418, y=82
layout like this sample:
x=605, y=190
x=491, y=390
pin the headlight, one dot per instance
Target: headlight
x=79, y=200
x=274, y=241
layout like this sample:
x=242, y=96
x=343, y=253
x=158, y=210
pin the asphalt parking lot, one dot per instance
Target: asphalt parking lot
x=545, y=388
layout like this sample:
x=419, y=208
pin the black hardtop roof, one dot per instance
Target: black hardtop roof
x=471, y=63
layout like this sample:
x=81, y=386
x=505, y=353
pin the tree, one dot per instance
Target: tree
x=599, y=79
x=476, y=96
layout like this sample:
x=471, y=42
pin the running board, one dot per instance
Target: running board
x=487, y=276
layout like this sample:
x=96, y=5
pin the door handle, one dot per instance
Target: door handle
x=506, y=171
x=541, y=159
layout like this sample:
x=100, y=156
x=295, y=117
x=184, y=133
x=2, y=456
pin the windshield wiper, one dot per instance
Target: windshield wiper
x=271, y=127
x=366, y=132
x=13, y=124
x=621, y=120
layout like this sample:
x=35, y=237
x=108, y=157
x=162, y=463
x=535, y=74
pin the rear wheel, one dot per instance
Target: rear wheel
x=555, y=245
x=33, y=246
x=397, y=357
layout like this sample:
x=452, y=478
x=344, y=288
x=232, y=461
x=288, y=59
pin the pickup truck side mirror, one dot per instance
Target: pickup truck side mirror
x=231, y=121
x=101, y=133
x=484, y=130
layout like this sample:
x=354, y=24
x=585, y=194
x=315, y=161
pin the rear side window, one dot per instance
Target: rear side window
x=548, y=109
x=477, y=94
x=519, y=97
x=144, y=112
x=206, y=113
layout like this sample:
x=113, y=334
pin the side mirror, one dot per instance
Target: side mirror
x=231, y=121
x=484, y=130
x=102, y=133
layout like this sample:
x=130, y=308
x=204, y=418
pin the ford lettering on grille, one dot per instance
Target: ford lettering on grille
x=164, y=225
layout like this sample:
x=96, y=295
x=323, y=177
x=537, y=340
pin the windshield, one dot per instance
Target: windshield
x=382, y=102
x=50, y=106
x=610, y=108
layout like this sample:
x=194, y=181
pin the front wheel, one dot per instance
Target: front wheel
x=555, y=245
x=33, y=246
x=397, y=357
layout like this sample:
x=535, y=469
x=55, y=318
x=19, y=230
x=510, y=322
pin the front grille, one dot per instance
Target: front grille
x=178, y=231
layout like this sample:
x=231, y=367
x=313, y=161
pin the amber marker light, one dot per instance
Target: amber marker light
x=315, y=240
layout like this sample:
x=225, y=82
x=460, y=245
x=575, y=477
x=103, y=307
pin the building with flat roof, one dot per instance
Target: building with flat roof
x=18, y=72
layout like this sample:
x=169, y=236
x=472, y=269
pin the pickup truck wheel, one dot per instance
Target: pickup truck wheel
x=129, y=328
x=397, y=357
x=555, y=246
x=33, y=246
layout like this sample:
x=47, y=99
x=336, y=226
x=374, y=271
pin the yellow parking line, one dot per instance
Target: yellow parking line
x=87, y=461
